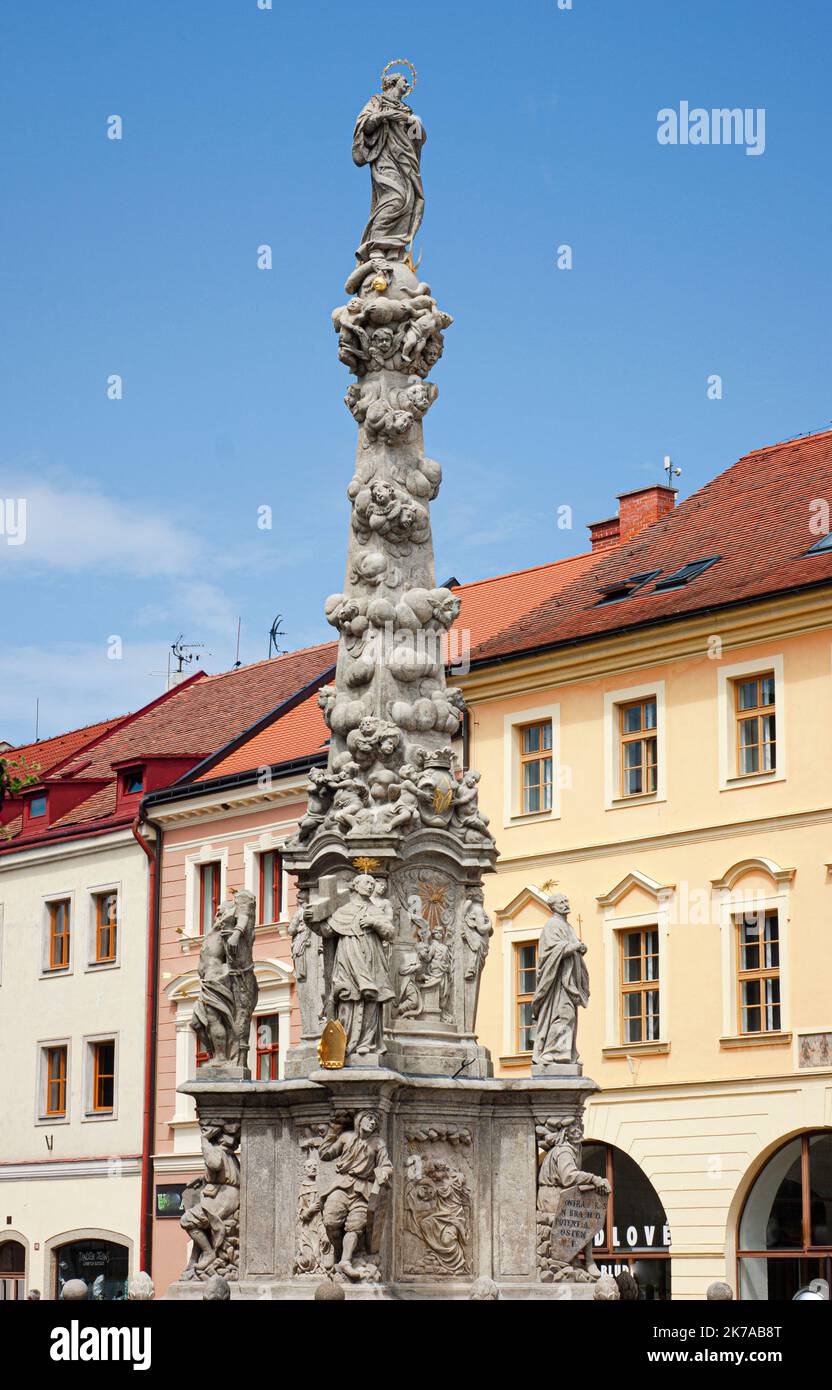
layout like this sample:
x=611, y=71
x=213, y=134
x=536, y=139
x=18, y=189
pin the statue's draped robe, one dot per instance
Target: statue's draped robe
x=360, y=972
x=216, y=995
x=398, y=200
x=562, y=985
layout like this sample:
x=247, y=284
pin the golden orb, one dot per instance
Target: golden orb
x=380, y=285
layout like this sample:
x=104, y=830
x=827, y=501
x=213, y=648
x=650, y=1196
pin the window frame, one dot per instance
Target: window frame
x=757, y=712
x=272, y=1050
x=277, y=886
x=94, y=1113
x=539, y=757
x=644, y=735
x=728, y=680
x=99, y=895
x=50, y=904
x=761, y=974
x=521, y=997
x=513, y=726
x=216, y=896
x=615, y=702
x=641, y=986
x=44, y=1117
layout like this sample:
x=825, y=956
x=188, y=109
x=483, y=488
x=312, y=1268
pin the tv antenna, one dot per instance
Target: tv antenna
x=671, y=470
x=183, y=653
x=276, y=631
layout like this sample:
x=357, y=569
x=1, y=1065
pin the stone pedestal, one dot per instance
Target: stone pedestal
x=461, y=1201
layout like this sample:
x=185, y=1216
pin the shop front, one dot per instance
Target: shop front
x=102, y=1264
x=635, y=1235
x=785, y=1227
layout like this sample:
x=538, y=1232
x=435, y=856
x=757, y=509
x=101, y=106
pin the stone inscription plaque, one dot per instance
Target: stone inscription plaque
x=576, y=1217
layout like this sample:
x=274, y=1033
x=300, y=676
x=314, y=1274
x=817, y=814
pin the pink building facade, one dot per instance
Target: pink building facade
x=212, y=844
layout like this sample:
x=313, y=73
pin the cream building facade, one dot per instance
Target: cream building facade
x=72, y=1034
x=698, y=872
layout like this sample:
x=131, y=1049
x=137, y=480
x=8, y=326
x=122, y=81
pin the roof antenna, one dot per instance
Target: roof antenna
x=276, y=631
x=237, y=661
x=671, y=470
x=184, y=655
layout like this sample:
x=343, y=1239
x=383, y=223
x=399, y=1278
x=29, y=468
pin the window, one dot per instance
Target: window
x=266, y=1068
x=55, y=1082
x=271, y=886
x=758, y=972
x=536, y=766
x=59, y=935
x=132, y=783
x=103, y=1077
x=525, y=980
x=683, y=576
x=209, y=895
x=639, y=747
x=37, y=807
x=635, y=1235
x=106, y=928
x=785, y=1230
x=756, y=740
x=640, y=985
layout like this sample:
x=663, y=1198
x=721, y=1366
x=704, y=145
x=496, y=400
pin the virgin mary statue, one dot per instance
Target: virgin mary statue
x=389, y=138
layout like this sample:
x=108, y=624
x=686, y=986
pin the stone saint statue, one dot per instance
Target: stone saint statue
x=560, y=1170
x=562, y=985
x=212, y=1203
x=228, y=986
x=389, y=138
x=359, y=976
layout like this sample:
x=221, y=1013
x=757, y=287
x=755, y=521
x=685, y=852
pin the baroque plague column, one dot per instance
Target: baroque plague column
x=390, y=1159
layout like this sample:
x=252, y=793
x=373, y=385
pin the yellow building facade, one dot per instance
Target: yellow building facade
x=698, y=871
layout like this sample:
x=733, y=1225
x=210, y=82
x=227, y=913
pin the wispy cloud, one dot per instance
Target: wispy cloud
x=76, y=529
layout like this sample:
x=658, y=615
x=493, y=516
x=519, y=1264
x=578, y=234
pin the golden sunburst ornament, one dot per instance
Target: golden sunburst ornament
x=365, y=865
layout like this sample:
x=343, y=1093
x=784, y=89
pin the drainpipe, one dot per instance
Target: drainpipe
x=154, y=856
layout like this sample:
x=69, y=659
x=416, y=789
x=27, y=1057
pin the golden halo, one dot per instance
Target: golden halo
x=397, y=62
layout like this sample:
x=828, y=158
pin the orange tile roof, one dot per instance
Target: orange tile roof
x=488, y=606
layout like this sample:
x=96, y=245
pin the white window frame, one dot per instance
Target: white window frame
x=512, y=784
x=88, y=1115
x=41, y=1117
x=613, y=925
x=91, y=964
x=46, y=970
x=270, y=841
x=732, y=901
x=614, y=799
x=206, y=854
x=729, y=779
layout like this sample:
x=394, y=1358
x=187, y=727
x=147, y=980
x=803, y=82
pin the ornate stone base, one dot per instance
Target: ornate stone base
x=397, y=1186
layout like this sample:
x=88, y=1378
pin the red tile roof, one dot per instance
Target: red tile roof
x=192, y=720
x=756, y=516
x=47, y=753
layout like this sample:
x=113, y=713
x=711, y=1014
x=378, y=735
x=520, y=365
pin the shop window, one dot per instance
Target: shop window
x=102, y=1264
x=785, y=1231
x=635, y=1235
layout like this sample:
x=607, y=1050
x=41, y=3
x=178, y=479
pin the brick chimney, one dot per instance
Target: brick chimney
x=636, y=509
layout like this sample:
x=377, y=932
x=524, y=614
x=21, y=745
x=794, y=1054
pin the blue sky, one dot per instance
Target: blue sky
x=138, y=257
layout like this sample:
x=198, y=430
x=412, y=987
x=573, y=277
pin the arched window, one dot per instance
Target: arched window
x=12, y=1269
x=635, y=1235
x=785, y=1231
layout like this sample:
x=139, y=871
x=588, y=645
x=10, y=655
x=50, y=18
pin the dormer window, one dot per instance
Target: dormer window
x=132, y=783
x=37, y=806
x=679, y=578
